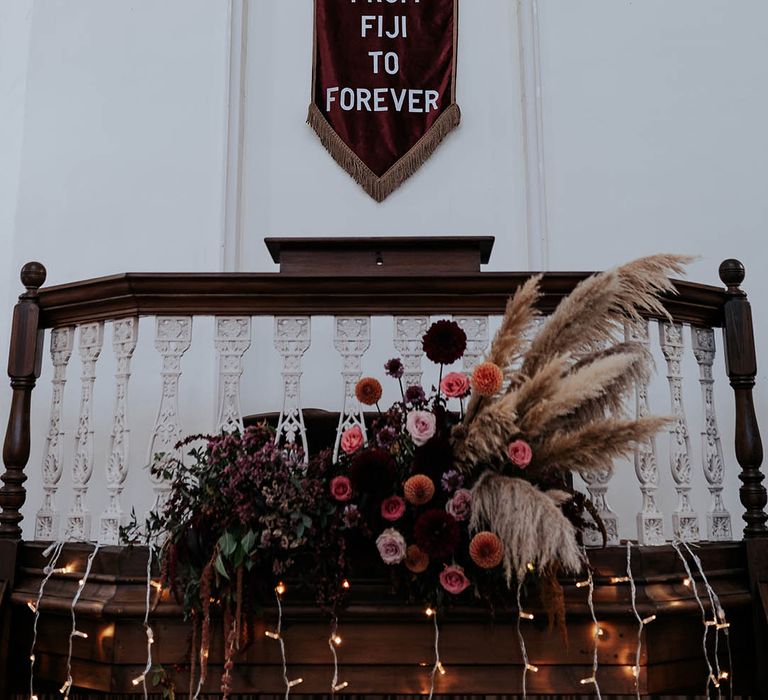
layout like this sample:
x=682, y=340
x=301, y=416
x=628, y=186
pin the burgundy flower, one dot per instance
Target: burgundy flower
x=444, y=342
x=437, y=533
x=453, y=579
x=394, y=368
x=373, y=471
x=392, y=508
x=415, y=394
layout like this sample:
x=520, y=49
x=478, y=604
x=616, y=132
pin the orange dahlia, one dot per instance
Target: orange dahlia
x=486, y=550
x=487, y=379
x=419, y=490
x=416, y=560
x=368, y=391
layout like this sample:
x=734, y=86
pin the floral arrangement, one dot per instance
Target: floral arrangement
x=461, y=492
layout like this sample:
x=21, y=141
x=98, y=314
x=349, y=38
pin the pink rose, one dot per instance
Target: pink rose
x=341, y=488
x=455, y=385
x=421, y=426
x=520, y=453
x=391, y=546
x=453, y=579
x=460, y=506
x=352, y=440
x=392, y=508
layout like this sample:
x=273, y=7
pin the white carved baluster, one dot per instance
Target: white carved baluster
x=476, y=328
x=233, y=338
x=47, y=520
x=650, y=520
x=125, y=334
x=718, y=518
x=173, y=336
x=409, y=332
x=292, y=339
x=352, y=339
x=597, y=484
x=78, y=523
x=685, y=522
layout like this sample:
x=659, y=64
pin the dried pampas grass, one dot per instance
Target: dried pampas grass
x=529, y=523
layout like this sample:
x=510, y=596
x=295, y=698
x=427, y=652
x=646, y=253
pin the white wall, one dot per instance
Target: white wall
x=653, y=139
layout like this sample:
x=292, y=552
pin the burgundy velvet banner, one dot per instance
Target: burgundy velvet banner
x=384, y=85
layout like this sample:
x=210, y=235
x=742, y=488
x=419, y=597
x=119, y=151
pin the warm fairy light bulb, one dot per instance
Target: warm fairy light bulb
x=687, y=582
x=619, y=579
x=441, y=668
x=336, y=639
x=582, y=584
x=711, y=623
x=530, y=566
x=271, y=635
x=138, y=680
x=34, y=697
x=32, y=606
x=714, y=680
x=635, y=671
x=429, y=611
x=526, y=615
x=68, y=569
x=280, y=588
x=157, y=585
x=723, y=675
x=599, y=631
x=340, y=686
x=32, y=658
x=723, y=625
x=78, y=633
x=648, y=619
x=345, y=584
x=64, y=688
x=587, y=681
x=81, y=582
x=295, y=681
x=531, y=667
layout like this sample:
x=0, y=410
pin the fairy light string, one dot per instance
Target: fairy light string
x=592, y=680
x=74, y=632
x=147, y=627
x=55, y=552
x=438, y=665
x=527, y=666
x=641, y=621
x=722, y=625
x=277, y=635
x=334, y=640
x=711, y=678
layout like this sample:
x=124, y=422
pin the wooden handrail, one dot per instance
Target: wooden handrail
x=132, y=294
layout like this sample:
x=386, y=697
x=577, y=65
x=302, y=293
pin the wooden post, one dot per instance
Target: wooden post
x=741, y=365
x=24, y=359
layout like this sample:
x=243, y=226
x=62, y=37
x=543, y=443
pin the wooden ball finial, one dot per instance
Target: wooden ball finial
x=732, y=272
x=33, y=276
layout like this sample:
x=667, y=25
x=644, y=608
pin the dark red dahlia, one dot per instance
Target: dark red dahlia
x=437, y=533
x=373, y=471
x=444, y=342
x=415, y=394
x=394, y=368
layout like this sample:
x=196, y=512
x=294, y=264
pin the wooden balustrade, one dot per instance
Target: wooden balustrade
x=293, y=298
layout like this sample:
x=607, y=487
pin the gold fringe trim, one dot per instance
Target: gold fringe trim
x=381, y=187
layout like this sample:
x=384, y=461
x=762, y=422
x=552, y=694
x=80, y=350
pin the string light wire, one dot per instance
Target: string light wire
x=73, y=632
x=711, y=677
x=438, y=666
x=55, y=552
x=640, y=620
x=333, y=641
x=277, y=635
x=719, y=614
x=526, y=664
x=591, y=602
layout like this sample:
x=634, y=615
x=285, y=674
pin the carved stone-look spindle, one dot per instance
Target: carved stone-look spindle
x=24, y=363
x=409, y=331
x=125, y=335
x=77, y=526
x=47, y=519
x=741, y=365
x=233, y=338
x=685, y=522
x=650, y=521
x=292, y=339
x=476, y=328
x=173, y=337
x=718, y=518
x=351, y=339
x=597, y=484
